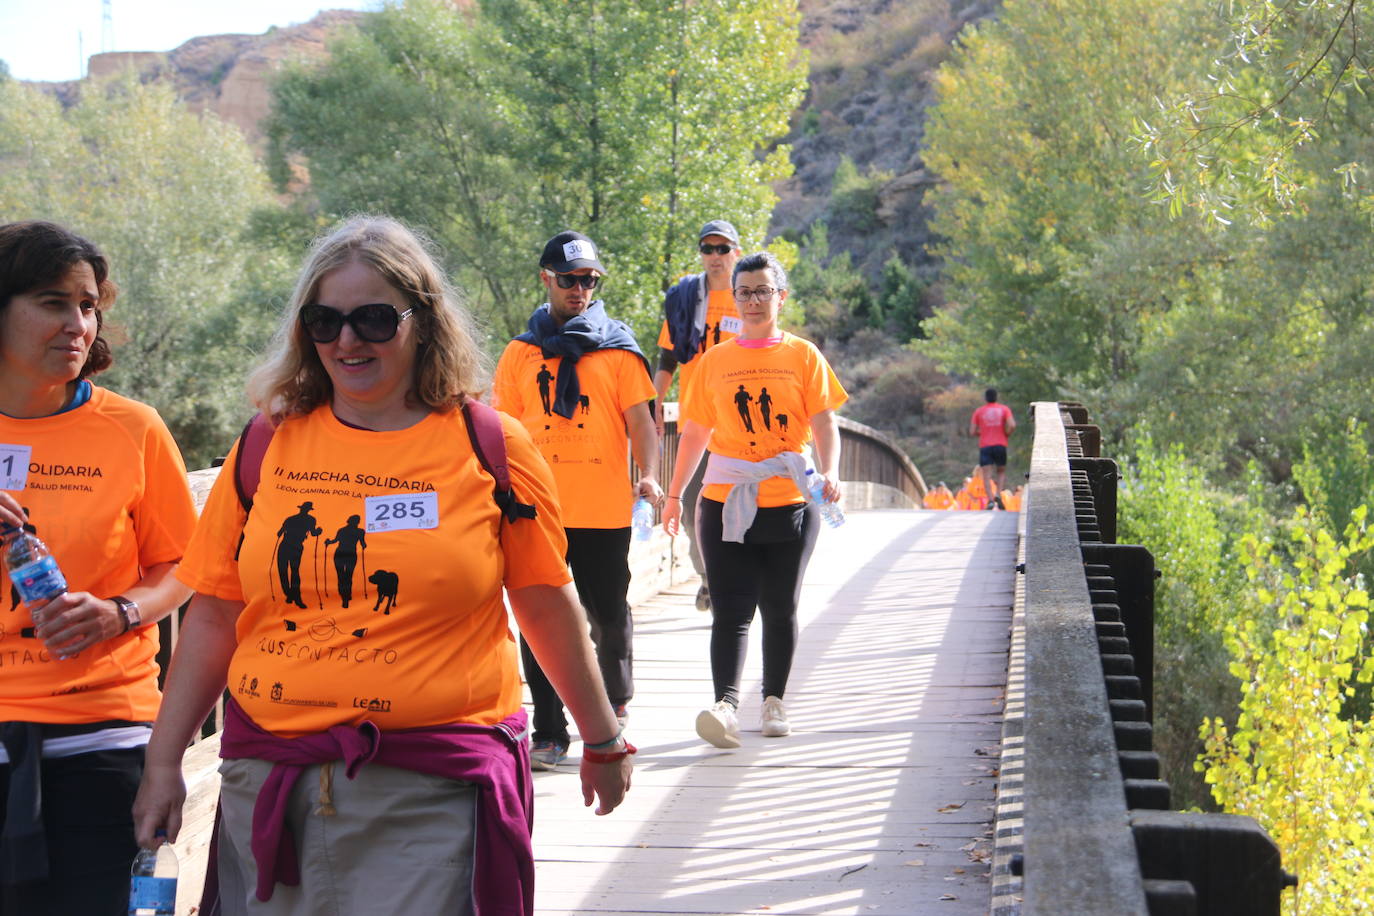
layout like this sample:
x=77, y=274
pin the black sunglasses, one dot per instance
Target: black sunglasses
x=715, y=249
x=568, y=281
x=375, y=323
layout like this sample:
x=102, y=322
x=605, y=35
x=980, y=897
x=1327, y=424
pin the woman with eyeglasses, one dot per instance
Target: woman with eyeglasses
x=756, y=401
x=97, y=478
x=375, y=751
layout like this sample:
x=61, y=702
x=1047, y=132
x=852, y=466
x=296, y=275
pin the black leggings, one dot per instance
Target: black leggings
x=88, y=817
x=763, y=573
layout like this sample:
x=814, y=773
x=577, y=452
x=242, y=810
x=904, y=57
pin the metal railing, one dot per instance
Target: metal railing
x=1082, y=825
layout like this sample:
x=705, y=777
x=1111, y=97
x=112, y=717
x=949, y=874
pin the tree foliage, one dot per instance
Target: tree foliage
x=634, y=122
x=166, y=194
x=1294, y=760
x=1251, y=136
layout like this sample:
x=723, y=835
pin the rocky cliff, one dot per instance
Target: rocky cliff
x=224, y=74
x=872, y=68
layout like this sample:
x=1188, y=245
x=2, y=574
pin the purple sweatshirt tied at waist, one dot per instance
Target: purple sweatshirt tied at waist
x=491, y=757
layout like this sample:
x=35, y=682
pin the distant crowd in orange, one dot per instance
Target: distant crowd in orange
x=974, y=494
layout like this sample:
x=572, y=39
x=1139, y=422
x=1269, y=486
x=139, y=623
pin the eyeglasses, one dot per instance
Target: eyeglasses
x=568, y=281
x=715, y=249
x=763, y=294
x=375, y=323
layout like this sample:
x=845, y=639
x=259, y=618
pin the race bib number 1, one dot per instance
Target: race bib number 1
x=402, y=511
x=14, y=466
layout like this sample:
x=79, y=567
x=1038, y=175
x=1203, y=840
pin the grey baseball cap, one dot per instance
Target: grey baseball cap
x=721, y=228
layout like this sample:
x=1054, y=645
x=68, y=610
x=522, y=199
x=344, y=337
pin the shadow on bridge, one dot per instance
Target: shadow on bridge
x=879, y=802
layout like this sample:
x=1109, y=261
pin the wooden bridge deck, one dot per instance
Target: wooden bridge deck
x=881, y=800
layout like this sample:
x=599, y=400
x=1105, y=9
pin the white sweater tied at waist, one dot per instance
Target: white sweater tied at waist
x=744, y=476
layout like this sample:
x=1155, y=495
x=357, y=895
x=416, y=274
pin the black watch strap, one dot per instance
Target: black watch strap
x=129, y=611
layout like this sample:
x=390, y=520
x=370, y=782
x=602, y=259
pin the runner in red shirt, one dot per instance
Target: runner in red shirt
x=992, y=424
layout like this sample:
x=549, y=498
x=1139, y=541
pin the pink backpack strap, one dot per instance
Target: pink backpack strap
x=489, y=442
x=253, y=442
x=484, y=429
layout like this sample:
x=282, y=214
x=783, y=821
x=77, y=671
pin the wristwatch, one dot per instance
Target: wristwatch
x=129, y=611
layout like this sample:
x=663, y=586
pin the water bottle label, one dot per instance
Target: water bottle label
x=38, y=580
x=156, y=894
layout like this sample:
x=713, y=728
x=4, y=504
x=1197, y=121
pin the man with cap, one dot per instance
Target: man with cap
x=698, y=313
x=598, y=413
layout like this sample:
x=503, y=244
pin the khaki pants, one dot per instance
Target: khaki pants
x=400, y=843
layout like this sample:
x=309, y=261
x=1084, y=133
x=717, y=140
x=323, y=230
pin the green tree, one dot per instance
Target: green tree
x=167, y=194
x=1234, y=141
x=1041, y=190
x=833, y=296
x=633, y=122
x=1294, y=760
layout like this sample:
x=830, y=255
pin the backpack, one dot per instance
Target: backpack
x=484, y=430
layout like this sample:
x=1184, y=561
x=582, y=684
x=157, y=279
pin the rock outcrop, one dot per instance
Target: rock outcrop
x=228, y=75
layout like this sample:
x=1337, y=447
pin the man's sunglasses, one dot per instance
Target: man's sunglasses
x=568, y=281
x=375, y=323
x=715, y=249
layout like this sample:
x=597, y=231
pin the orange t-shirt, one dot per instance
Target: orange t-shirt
x=350, y=615
x=105, y=489
x=722, y=325
x=590, y=453
x=938, y=499
x=758, y=402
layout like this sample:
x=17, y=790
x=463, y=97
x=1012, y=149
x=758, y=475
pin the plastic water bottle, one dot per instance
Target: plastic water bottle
x=642, y=518
x=153, y=881
x=31, y=568
x=831, y=512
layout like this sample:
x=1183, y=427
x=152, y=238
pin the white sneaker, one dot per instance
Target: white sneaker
x=719, y=725
x=773, y=719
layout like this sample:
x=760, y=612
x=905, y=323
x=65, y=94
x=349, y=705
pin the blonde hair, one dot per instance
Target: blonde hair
x=449, y=365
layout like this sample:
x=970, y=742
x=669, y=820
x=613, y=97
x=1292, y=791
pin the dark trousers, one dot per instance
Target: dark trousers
x=599, y=559
x=88, y=804
x=764, y=574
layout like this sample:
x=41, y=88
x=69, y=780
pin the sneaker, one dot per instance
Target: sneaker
x=622, y=715
x=703, y=598
x=545, y=755
x=773, y=719
x=719, y=725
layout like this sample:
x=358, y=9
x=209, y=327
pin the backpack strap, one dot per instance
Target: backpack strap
x=484, y=430
x=253, y=442
x=489, y=442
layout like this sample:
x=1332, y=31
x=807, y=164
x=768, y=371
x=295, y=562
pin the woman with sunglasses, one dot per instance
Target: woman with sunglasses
x=756, y=401
x=375, y=752
x=98, y=478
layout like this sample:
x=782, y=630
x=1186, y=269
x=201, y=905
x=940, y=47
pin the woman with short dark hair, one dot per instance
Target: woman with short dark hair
x=756, y=401
x=98, y=478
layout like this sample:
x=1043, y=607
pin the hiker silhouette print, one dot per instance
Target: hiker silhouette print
x=742, y=401
x=349, y=539
x=758, y=407
x=291, y=538
x=545, y=380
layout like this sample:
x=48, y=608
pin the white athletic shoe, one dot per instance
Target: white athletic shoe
x=719, y=725
x=773, y=719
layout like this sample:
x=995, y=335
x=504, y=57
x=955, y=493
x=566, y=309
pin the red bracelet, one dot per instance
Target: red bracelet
x=616, y=757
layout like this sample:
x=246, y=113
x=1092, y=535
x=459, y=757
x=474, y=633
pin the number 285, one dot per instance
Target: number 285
x=400, y=509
